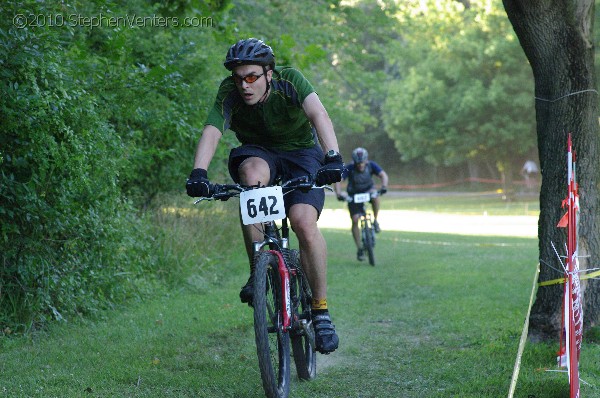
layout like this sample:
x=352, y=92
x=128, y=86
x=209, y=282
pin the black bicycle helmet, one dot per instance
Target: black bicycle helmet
x=249, y=51
x=360, y=155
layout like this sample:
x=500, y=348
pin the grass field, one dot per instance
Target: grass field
x=490, y=203
x=439, y=316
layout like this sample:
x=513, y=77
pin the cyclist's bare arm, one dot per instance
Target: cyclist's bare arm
x=384, y=178
x=207, y=146
x=338, y=189
x=319, y=118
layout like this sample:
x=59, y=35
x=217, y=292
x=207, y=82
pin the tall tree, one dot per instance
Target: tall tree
x=465, y=91
x=556, y=36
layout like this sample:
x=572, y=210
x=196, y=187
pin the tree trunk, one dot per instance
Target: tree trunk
x=556, y=36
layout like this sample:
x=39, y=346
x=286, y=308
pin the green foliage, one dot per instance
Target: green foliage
x=359, y=71
x=150, y=82
x=466, y=91
x=66, y=233
x=96, y=120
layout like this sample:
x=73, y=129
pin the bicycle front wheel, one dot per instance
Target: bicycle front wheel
x=302, y=335
x=369, y=243
x=272, y=342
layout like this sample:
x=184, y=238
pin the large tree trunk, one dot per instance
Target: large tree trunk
x=556, y=36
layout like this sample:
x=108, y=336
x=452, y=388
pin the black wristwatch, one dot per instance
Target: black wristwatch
x=332, y=154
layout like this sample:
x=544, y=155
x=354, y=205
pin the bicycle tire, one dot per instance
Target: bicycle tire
x=305, y=355
x=369, y=244
x=272, y=342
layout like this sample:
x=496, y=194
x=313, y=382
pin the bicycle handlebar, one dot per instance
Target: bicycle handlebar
x=226, y=191
x=372, y=195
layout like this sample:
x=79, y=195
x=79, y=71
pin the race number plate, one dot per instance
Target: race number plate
x=262, y=205
x=362, y=197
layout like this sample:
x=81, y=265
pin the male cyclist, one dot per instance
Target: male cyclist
x=360, y=180
x=285, y=132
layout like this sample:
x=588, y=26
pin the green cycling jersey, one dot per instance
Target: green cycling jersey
x=279, y=122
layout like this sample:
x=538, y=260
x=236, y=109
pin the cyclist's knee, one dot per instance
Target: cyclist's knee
x=304, y=226
x=254, y=170
x=308, y=236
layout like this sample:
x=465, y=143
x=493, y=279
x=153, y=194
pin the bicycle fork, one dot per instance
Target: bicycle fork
x=367, y=228
x=286, y=302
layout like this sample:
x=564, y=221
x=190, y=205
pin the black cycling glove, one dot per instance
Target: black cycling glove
x=383, y=190
x=331, y=171
x=198, y=186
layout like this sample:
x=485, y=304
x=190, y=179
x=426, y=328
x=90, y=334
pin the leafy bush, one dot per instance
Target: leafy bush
x=67, y=236
x=95, y=122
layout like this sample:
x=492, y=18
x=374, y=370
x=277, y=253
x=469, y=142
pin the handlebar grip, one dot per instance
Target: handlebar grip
x=300, y=181
x=224, y=191
x=303, y=183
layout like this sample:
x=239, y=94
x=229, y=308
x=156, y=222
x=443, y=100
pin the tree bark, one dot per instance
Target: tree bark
x=556, y=36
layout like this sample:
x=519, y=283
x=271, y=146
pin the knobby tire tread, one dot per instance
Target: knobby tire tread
x=368, y=243
x=273, y=359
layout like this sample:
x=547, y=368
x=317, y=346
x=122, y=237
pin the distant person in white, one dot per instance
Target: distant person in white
x=529, y=171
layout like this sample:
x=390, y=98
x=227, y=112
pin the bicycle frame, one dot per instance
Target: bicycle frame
x=273, y=241
x=284, y=274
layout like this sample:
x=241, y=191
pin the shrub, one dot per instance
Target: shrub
x=67, y=236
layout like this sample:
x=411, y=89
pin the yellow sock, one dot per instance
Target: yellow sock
x=319, y=304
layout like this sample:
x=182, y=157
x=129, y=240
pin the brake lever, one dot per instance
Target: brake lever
x=201, y=199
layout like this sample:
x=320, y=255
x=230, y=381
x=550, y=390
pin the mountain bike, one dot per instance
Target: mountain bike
x=367, y=231
x=282, y=296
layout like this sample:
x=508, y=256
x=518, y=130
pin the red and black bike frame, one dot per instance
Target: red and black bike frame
x=286, y=303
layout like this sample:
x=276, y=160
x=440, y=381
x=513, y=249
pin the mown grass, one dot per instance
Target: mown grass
x=469, y=204
x=439, y=316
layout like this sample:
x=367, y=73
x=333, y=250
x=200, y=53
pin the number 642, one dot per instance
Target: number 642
x=263, y=207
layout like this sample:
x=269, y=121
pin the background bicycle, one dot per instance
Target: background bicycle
x=366, y=224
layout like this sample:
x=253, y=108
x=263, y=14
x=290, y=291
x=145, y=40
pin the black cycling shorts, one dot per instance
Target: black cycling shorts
x=284, y=165
x=357, y=208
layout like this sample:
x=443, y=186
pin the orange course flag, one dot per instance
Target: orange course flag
x=564, y=221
